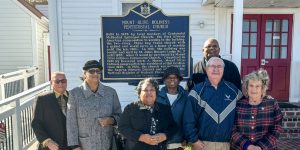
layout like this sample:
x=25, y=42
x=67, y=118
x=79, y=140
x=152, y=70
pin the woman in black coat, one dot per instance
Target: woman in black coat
x=145, y=124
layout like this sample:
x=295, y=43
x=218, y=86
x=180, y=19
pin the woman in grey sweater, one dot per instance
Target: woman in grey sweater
x=93, y=109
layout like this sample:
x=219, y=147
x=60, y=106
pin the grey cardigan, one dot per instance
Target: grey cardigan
x=84, y=109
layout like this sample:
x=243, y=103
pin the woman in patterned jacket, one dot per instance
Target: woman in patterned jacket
x=258, y=119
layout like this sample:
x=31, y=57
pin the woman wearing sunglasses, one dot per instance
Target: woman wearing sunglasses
x=93, y=109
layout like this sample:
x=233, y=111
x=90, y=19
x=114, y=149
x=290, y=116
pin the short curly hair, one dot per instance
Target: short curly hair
x=152, y=81
x=258, y=75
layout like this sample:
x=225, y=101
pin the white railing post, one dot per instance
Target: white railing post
x=36, y=76
x=2, y=90
x=25, y=80
x=16, y=126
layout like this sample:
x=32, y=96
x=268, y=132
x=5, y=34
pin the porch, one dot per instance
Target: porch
x=16, y=112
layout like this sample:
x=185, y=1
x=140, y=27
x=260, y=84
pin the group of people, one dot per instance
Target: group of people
x=210, y=114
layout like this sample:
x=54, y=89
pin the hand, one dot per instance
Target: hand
x=184, y=143
x=78, y=148
x=253, y=147
x=52, y=145
x=105, y=121
x=160, y=137
x=148, y=139
x=198, y=145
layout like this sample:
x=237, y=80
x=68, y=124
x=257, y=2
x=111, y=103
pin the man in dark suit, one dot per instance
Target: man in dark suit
x=49, y=122
x=211, y=49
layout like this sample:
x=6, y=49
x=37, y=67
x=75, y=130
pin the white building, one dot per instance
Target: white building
x=264, y=34
x=23, y=38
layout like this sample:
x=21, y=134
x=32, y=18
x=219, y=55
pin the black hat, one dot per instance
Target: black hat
x=92, y=64
x=170, y=71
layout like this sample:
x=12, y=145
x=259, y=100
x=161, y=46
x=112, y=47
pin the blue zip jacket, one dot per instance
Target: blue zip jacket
x=209, y=113
x=177, y=110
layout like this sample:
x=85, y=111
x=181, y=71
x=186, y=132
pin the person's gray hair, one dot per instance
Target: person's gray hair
x=213, y=59
x=152, y=81
x=258, y=75
x=57, y=73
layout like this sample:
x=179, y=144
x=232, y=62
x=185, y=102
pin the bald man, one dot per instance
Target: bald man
x=211, y=49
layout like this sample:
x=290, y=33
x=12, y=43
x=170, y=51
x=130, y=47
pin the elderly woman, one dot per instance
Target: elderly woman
x=146, y=124
x=92, y=110
x=258, y=119
x=172, y=94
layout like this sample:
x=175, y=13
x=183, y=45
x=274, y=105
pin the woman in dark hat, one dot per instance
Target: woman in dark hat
x=92, y=110
x=172, y=94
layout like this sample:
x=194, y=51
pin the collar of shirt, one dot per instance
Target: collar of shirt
x=58, y=94
x=145, y=107
x=88, y=92
x=208, y=83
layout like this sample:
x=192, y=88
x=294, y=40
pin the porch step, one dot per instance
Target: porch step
x=291, y=122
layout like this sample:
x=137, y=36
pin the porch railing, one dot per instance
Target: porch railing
x=16, y=112
x=18, y=81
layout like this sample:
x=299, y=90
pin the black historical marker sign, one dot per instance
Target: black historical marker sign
x=144, y=43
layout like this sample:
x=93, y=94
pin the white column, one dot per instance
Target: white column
x=237, y=32
x=295, y=62
x=54, y=35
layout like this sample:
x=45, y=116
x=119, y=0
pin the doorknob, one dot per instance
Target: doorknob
x=263, y=62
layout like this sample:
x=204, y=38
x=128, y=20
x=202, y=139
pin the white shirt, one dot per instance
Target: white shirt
x=172, y=97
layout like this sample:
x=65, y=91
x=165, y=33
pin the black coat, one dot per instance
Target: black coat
x=49, y=121
x=136, y=120
x=231, y=74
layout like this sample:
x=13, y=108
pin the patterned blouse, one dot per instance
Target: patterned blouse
x=259, y=125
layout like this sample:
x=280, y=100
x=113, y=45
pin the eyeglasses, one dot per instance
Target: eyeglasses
x=63, y=81
x=212, y=46
x=151, y=90
x=92, y=71
x=215, y=66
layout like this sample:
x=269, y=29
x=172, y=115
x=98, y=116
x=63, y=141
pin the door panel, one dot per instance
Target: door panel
x=276, y=51
x=272, y=48
x=250, y=44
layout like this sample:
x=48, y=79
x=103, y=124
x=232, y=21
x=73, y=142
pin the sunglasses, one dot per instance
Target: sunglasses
x=92, y=71
x=60, y=81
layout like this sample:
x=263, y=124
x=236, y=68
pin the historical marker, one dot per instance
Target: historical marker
x=143, y=44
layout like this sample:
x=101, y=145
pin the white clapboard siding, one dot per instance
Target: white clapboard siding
x=197, y=14
x=15, y=37
x=43, y=9
x=81, y=33
x=41, y=28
